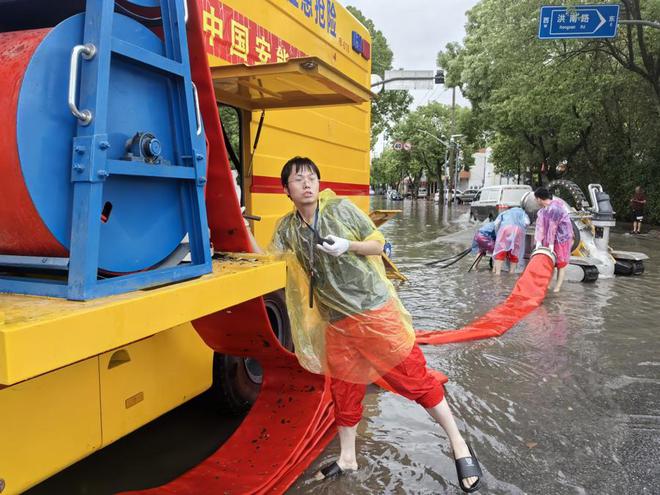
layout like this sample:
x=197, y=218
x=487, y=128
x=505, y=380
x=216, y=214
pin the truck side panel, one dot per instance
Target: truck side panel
x=335, y=137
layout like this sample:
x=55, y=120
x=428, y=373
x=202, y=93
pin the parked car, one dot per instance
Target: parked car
x=490, y=201
x=422, y=193
x=468, y=195
x=455, y=194
x=436, y=196
x=394, y=195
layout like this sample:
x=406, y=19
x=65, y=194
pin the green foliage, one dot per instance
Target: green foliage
x=231, y=125
x=385, y=170
x=425, y=129
x=594, y=103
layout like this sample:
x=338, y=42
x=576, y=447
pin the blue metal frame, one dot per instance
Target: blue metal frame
x=91, y=167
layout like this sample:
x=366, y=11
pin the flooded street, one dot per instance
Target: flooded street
x=568, y=401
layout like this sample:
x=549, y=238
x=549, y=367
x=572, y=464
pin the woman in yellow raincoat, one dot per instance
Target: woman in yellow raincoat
x=347, y=321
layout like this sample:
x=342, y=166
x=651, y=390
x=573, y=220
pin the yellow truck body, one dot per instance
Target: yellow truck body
x=76, y=376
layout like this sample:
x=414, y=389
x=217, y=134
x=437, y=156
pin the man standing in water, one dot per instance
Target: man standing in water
x=554, y=230
x=637, y=204
x=347, y=321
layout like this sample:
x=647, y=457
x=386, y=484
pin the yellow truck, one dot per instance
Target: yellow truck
x=291, y=77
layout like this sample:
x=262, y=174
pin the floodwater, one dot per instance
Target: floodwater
x=566, y=402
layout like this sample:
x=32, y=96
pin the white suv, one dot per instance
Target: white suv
x=492, y=200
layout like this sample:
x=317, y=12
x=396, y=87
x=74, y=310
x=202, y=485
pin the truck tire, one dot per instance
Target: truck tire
x=237, y=380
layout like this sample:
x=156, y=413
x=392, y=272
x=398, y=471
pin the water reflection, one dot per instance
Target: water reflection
x=568, y=401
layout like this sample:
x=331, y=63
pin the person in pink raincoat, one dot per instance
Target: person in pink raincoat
x=510, y=240
x=554, y=230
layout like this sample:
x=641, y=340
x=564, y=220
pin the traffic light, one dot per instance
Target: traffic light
x=439, y=77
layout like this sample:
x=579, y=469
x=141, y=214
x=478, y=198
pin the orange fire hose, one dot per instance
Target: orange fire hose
x=527, y=295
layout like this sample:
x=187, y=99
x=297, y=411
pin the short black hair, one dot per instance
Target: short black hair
x=298, y=163
x=542, y=193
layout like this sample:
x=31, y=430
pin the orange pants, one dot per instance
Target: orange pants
x=504, y=255
x=410, y=379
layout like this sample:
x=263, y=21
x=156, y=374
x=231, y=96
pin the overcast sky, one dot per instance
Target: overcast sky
x=416, y=30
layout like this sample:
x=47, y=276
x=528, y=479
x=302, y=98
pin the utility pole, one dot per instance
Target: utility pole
x=452, y=152
x=455, y=153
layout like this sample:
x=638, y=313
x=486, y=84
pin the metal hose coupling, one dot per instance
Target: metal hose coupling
x=546, y=252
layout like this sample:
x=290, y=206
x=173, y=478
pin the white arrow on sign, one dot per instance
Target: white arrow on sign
x=602, y=21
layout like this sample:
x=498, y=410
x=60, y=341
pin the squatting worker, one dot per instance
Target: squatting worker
x=484, y=239
x=554, y=230
x=347, y=321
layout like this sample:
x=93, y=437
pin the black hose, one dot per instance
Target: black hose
x=460, y=255
x=475, y=263
x=456, y=260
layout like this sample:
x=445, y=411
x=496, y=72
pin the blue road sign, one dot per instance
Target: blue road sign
x=580, y=21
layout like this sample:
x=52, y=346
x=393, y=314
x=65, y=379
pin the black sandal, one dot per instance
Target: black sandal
x=330, y=471
x=468, y=467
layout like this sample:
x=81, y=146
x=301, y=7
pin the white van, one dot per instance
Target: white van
x=492, y=200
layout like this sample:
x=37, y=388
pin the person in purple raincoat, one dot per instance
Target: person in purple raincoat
x=554, y=230
x=484, y=239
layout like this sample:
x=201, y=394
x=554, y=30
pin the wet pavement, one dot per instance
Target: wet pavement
x=566, y=402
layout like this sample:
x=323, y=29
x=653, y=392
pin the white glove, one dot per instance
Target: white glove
x=339, y=247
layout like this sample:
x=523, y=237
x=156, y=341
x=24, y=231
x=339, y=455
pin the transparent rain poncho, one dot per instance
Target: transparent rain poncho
x=356, y=330
x=510, y=226
x=554, y=229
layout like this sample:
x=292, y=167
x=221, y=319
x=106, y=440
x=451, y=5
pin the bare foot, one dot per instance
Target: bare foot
x=556, y=289
x=347, y=466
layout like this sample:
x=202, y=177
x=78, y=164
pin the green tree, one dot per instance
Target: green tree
x=229, y=118
x=593, y=103
x=426, y=128
x=385, y=170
